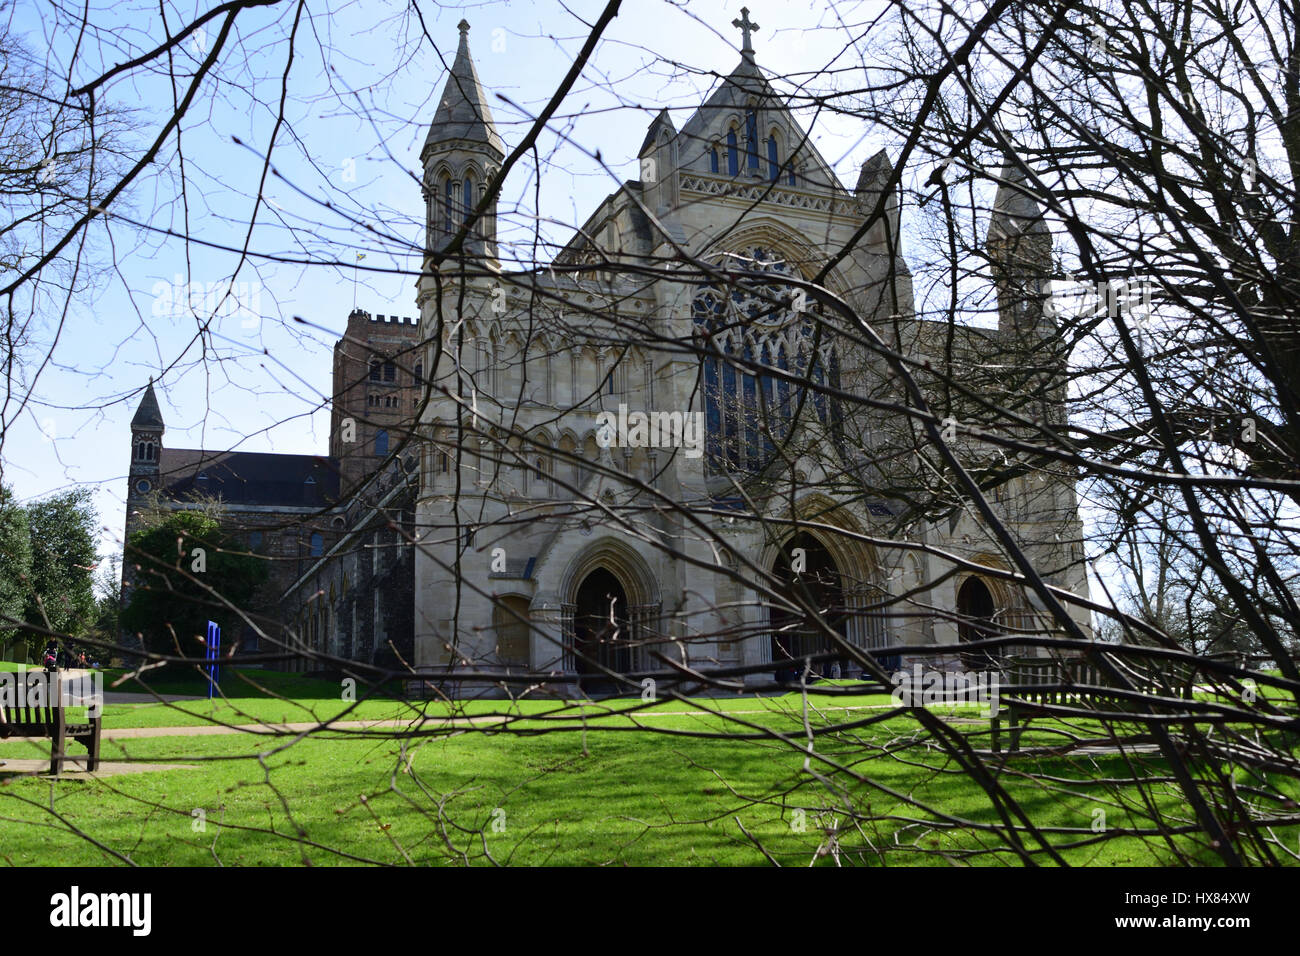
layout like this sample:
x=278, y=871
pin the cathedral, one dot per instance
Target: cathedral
x=680, y=445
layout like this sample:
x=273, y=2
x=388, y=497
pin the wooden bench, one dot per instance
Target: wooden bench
x=31, y=705
x=1030, y=685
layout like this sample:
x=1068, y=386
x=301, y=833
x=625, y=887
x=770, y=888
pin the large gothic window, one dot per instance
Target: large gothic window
x=759, y=320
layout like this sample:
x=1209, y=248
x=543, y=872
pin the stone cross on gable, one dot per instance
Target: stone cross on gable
x=746, y=27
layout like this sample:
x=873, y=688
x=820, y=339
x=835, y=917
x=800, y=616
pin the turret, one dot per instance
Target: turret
x=146, y=446
x=1020, y=253
x=658, y=165
x=461, y=154
x=1020, y=256
x=144, y=478
x=872, y=181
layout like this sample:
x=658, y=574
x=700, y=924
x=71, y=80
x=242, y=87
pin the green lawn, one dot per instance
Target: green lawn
x=523, y=796
x=633, y=799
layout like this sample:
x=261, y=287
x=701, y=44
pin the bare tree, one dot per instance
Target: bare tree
x=1018, y=409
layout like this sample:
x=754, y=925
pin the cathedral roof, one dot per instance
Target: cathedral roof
x=148, y=414
x=250, y=478
x=463, y=111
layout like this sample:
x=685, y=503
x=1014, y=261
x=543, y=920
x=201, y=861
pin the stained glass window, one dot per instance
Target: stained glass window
x=756, y=322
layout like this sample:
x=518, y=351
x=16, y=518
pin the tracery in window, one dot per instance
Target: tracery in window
x=746, y=414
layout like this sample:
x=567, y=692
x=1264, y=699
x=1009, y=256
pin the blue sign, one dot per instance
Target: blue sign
x=214, y=649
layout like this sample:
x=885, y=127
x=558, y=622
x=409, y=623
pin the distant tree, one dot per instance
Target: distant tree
x=108, y=602
x=181, y=564
x=15, y=563
x=61, y=595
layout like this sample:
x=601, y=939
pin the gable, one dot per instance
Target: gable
x=743, y=104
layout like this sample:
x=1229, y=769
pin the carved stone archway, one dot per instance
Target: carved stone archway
x=623, y=634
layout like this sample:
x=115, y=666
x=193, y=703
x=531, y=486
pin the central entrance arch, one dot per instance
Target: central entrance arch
x=601, y=630
x=817, y=583
x=975, y=613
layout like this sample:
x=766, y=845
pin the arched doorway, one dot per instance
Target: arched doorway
x=975, y=612
x=510, y=622
x=816, y=583
x=601, y=631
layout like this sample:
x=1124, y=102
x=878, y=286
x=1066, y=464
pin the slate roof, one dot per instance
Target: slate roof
x=250, y=478
x=148, y=414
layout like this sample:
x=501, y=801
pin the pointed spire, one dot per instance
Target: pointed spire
x=872, y=182
x=875, y=173
x=148, y=414
x=663, y=122
x=463, y=111
x=1015, y=210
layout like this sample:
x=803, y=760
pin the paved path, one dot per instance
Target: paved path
x=272, y=730
x=75, y=766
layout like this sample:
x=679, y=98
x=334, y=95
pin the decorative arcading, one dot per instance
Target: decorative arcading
x=769, y=192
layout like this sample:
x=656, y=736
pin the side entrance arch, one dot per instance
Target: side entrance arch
x=602, y=629
x=817, y=583
x=610, y=619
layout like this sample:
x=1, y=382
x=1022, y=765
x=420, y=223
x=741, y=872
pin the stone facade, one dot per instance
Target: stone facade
x=516, y=536
x=355, y=604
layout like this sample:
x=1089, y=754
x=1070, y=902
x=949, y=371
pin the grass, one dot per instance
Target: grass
x=587, y=791
x=632, y=799
x=234, y=682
